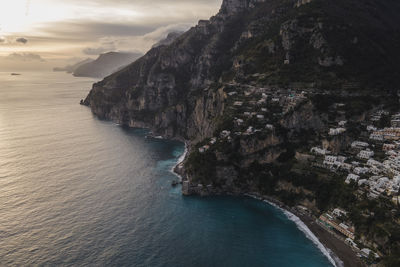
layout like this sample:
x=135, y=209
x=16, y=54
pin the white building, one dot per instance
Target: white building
x=250, y=130
x=225, y=133
x=380, y=184
x=351, y=243
x=360, y=170
x=365, y=154
x=239, y=122
x=394, y=186
x=269, y=127
x=395, y=123
x=362, y=182
x=320, y=151
x=359, y=144
x=352, y=177
x=261, y=101
x=387, y=147
x=204, y=148
x=334, y=161
x=372, y=162
x=260, y=117
x=346, y=166
x=396, y=116
x=365, y=252
x=238, y=104
x=336, y=131
x=376, y=137
x=391, y=153
x=339, y=212
x=342, y=123
x=330, y=160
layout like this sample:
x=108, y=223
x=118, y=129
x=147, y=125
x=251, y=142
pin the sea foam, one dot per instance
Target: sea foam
x=179, y=161
x=310, y=235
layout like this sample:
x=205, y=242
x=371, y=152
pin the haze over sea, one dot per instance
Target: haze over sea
x=76, y=191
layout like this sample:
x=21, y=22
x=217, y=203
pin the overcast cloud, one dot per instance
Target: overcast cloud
x=21, y=40
x=24, y=57
x=59, y=30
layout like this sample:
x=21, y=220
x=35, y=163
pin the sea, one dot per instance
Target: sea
x=78, y=191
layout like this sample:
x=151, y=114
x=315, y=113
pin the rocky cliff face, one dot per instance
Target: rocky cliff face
x=252, y=89
x=211, y=78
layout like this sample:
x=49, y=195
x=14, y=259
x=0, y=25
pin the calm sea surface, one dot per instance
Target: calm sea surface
x=76, y=191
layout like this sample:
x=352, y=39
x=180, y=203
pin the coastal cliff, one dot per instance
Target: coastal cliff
x=253, y=88
x=177, y=90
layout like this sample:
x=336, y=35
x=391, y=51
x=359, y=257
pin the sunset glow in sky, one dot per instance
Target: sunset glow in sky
x=46, y=32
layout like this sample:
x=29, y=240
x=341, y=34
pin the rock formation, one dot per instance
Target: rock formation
x=212, y=83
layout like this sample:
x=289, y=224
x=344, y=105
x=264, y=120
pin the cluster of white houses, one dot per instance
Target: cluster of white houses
x=378, y=177
x=386, y=134
x=253, y=102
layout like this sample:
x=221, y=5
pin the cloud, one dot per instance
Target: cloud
x=85, y=30
x=94, y=51
x=2, y=39
x=25, y=57
x=106, y=46
x=21, y=40
x=142, y=43
x=162, y=32
x=102, y=26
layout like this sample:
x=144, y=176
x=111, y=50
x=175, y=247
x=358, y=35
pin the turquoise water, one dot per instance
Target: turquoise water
x=76, y=191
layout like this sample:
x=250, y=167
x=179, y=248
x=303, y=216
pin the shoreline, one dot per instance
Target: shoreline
x=336, y=250
x=302, y=226
x=177, y=169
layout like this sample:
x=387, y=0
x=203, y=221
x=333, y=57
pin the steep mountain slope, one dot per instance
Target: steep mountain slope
x=72, y=68
x=262, y=78
x=105, y=64
x=325, y=44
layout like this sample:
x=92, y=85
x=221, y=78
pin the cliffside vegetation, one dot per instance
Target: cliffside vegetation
x=254, y=88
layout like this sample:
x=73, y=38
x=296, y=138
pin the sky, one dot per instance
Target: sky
x=42, y=34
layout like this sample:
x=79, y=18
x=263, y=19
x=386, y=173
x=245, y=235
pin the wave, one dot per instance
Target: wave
x=183, y=156
x=179, y=161
x=310, y=235
x=307, y=232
